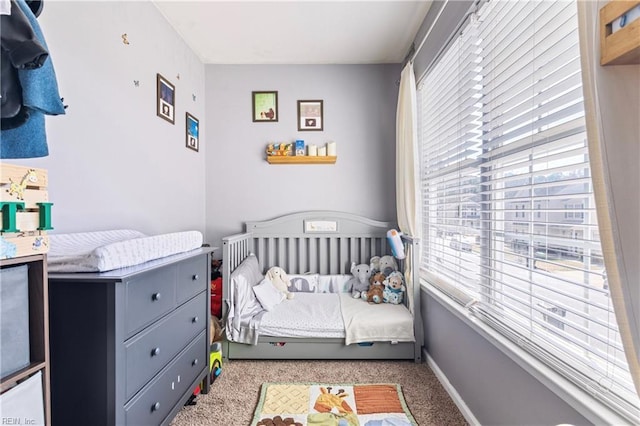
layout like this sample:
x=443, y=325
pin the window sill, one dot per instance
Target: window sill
x=583, y=402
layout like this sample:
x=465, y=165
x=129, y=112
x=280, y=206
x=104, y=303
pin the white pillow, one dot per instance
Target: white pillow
x=267, y=294
x=334, y=283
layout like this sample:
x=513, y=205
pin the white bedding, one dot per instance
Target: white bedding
x=306, y=315
x=107, y=250
x=338, y=315
x=384, y=322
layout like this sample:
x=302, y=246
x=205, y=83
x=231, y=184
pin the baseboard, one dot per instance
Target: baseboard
x=453, y=393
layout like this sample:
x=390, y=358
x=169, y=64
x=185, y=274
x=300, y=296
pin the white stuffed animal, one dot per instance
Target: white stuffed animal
x=385, y=264
x=280, y=280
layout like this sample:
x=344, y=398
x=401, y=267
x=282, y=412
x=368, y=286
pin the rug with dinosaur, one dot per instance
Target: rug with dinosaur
x=312, y=404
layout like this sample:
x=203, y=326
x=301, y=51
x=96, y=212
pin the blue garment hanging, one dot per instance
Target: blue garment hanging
x=40, y=95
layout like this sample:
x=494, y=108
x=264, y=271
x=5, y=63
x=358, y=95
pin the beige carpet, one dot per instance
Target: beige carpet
x=235, y=393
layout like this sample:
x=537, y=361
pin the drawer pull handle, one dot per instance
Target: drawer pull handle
x=156, y=296
x=194, y=320
x=155, y=352
x=195, y=362
x=195, y=277
x=155, y=407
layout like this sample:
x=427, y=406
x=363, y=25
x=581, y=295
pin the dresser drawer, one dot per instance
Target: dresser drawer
x=152, y=405
x=153, y=348
x=192, y=277
x=148, y=297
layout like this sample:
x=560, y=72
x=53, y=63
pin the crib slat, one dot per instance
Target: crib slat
x=353, y=251
x=303, y=255
x=333, y=255
x=362, y=256
x=322, y=255
x=343, y=261
x=313, y=255
x=292, y=264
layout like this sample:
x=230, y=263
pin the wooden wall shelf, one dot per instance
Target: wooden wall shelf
x=300, y=159
x=623, y=46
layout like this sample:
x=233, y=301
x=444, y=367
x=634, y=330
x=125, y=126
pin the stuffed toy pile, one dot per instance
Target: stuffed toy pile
x=378, y=282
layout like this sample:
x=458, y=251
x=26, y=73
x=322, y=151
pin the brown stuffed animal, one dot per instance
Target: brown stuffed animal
x=376, y=289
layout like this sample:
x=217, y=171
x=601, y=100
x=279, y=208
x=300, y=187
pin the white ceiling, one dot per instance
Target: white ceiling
x=296, y=32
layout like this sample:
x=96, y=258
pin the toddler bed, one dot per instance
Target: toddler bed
x=322, y=321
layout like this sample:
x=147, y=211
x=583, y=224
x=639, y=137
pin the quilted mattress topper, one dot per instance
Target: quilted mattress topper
x=102, y=251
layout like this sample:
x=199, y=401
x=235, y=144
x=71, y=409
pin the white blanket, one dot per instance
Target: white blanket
x=364, y=322
x=306, y=315
x=102, y=251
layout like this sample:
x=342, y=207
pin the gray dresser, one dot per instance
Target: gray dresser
x=129, y=346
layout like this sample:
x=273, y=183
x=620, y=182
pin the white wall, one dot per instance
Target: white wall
x=113, y=163
x=359, y=114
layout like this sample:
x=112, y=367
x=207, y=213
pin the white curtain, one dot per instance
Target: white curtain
x=612, y=109
x=407, y=164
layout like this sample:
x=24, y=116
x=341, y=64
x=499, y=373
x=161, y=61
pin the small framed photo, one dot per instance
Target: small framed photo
x=265, y=106
x=310, y=115
x=192, y=131
x=166, y=99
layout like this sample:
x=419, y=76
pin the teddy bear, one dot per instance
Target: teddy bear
x=280, y=280
x=384, y=264
x=394, y=288
x=376, y=288
x=359, y=282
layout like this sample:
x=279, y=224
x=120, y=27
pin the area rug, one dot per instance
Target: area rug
x=313, y=404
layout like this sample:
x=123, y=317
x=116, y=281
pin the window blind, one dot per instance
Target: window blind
x=509, y=216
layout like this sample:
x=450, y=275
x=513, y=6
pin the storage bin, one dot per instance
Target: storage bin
x=23, y=404
x=14, y=319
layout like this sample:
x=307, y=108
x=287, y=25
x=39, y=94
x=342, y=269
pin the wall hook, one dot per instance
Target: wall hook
x=124, y=38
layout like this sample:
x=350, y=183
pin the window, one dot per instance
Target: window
x=501, y=128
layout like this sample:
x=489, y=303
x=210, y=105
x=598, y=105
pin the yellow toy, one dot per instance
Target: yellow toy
x=215, y=361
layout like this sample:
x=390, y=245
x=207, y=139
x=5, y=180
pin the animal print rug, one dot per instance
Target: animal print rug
x=380, y=404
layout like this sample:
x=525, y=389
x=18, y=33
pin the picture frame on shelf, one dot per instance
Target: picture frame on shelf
x=310, y=115
x=192, y=132
x=264, y=106
x=166, y=95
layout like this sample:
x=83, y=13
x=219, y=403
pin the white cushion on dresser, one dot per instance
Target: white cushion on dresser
x=102, y=251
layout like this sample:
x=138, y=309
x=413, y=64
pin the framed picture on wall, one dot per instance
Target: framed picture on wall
x=192, y=131
x=265, y=106
x=310, y=116
x=166, y=96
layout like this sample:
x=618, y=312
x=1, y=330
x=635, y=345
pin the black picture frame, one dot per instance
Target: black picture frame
x=264, y=106
x=310, y=115
x=192, y=132
x=166, y=98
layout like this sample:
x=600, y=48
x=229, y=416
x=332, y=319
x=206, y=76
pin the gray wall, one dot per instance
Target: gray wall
x=495, y=389
x=113, y=163
x=359, y=115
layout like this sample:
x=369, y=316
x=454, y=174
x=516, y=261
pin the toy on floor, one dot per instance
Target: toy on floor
x=215, y=361
x=393, y=237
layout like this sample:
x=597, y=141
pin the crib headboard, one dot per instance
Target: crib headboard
x=323, y=242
